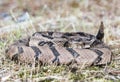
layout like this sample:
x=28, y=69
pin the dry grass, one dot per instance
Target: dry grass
x=62, y=15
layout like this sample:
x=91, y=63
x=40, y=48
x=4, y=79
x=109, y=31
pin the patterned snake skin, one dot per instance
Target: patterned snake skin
x=61, y=48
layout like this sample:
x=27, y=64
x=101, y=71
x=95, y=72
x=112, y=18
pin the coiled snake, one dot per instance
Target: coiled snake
x=61, y=48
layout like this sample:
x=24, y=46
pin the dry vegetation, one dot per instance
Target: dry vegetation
x=20, y=18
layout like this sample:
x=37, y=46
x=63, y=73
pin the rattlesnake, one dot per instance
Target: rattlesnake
x=61, y=48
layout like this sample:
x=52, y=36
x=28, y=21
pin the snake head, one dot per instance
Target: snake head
x=11, y=51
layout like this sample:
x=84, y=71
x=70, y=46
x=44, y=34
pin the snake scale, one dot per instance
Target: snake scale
x=61, y=48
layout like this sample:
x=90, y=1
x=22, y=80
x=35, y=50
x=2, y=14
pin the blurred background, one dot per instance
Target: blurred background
x=61, y=15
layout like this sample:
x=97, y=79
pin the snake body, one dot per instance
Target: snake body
x=61, y=48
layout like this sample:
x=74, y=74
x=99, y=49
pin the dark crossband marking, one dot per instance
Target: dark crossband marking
x=85, y=34
x=37, y=52
x=15, y=56
x=50, y=33
x=50, y=43
x=96, y=42
x=37, y=33
x=56, y=54
x=68, y=34
x=41, y=43
x=44, y=34
x=81, y=33
x=73, y=52
x=49, y=37
x=99, y=53
x=66, y=44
